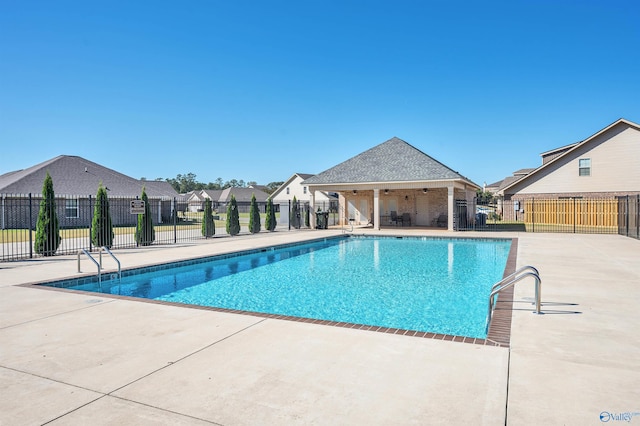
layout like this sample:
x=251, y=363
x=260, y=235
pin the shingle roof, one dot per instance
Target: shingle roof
x=242, y=194
x=74, y=175
x=392, y=161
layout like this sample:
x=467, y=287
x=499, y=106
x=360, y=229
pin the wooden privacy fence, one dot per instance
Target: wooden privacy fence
x=591, y=213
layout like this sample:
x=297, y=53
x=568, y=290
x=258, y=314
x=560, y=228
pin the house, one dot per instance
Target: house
x=220, y=198
x=392, y=179
x=196, y=199
x=75, y=183
x=604, y=165
x=294, y=187
x=496, y=187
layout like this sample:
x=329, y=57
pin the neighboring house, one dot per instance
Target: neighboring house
x=496, y=187
x=196, y=199
x=395, y=177
x=294, y=187
x=75, y=183
x=605, y=165
x=221, y=198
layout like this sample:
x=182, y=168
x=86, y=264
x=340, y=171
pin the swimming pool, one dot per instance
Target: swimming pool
x=413, y=283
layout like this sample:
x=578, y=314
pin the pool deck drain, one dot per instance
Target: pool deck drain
x=102, y=360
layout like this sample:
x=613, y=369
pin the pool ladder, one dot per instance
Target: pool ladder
x=99, y=264
x=511, y=280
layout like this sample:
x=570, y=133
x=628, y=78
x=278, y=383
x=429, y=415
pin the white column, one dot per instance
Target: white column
x=312, y=212
x=451, y=208
x=376, y=209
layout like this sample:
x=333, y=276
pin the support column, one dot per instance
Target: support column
x=376, y=209
x=451, y=209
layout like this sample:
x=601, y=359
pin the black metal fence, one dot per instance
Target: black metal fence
x=566, y=215
x=629, y=216
x=172, y=222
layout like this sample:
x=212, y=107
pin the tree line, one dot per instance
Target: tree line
x=187, y=183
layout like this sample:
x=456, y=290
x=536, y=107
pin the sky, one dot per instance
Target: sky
x=257, y=90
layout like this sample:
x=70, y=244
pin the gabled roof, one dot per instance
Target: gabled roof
x=286, y=183
x=242, y=195
x=569, y=149
x=73, y=175
x=391, y=161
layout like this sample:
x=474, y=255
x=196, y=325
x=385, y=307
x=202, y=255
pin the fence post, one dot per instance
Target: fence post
x=30, y=227
x=174, y=213
x=289, y=213
x=575, y=215
x=91, y=213
x=638, y=216
x=626, y=217
x=533, y=215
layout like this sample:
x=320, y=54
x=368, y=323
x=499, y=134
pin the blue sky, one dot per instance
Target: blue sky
x=258, y=90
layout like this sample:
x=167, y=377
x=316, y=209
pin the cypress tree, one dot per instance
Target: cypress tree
x=306, y=216
x=270, y=220
x=47, y=228
x=294, y=216
x=233, y=218
x=145, y=234
x=254, y=216
x=208, y=224
x=101, y=225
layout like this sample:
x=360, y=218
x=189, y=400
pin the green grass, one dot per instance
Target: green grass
x=195, y=222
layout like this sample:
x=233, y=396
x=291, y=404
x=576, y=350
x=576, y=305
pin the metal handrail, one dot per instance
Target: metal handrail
x=511, y=280
x=93, y=260
x=114, y=258
x=508, y=277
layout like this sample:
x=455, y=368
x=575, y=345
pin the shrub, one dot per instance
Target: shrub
x=208, y=224
x=145, y=234
x=254, y=216
x=47, y=228
x=101, y=225
x=233, y=218
x=270, y=221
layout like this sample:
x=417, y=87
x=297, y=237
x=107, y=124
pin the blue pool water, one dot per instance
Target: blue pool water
x=424, y=284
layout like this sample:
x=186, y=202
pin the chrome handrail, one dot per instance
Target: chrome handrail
x=114, y=258
x=511, y=280
x=93, y=260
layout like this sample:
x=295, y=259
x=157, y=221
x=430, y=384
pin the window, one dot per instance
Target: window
x=287, y=190
x=584, y=167
x=71, y=208
x=304, y=189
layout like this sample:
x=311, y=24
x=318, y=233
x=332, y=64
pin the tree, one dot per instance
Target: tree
x=101, y=225
x=270, y=220
x=233, y=218
x=294, y=216
x=272, y=186
x=306, y=216
x=145, y=234
x=208, y=224
x=47, y=229
x=254, y=216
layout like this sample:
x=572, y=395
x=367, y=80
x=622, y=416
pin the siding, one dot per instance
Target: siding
x=615, y=167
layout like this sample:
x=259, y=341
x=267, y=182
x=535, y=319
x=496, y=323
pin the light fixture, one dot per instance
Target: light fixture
x=386, y=191
x=406, y=197
x=355, y=192
x=424, y=190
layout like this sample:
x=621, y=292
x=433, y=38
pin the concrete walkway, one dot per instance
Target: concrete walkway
x=72, y=358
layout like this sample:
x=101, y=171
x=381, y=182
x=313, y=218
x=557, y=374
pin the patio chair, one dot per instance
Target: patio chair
x=442, y=221
x=394, y=217
x=406, y=218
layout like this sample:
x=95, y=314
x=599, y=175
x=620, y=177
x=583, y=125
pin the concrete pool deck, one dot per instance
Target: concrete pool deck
x=74, y=358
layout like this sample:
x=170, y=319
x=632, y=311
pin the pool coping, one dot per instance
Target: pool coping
x=499, y=333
